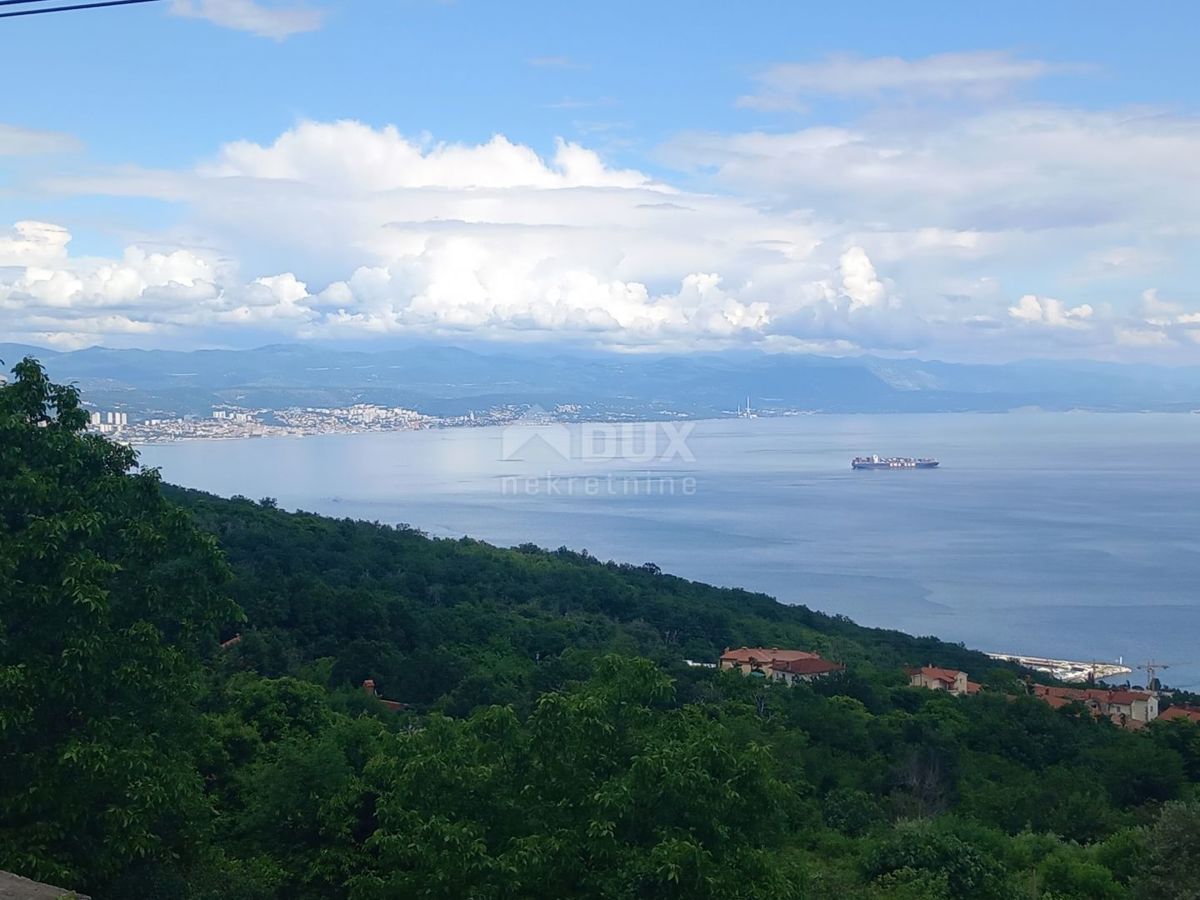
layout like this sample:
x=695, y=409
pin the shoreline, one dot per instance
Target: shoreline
x=1070, y=670
x=765, y=471
x=259, y=430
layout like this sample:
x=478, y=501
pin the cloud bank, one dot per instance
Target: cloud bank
x=991, y=229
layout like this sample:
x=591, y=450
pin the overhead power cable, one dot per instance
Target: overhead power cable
x=41, y=10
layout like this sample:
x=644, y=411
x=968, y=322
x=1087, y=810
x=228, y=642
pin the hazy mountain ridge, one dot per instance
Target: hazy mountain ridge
x=447, y=380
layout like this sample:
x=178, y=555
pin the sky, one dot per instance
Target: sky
x=978, y=182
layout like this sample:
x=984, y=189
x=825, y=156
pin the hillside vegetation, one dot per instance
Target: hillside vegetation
x=182, y=716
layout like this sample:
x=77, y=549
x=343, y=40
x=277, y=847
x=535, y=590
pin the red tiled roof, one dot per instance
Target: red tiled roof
x=1099, y=701
x=1190, y=713
x=770, y=655
x=1122, y=698
x=974, y=687
x=808, y=666
x=947, y=676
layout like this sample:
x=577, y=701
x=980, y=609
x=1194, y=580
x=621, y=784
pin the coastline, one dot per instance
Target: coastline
x=1074, y=671
x=959, y=534
x=195, y=429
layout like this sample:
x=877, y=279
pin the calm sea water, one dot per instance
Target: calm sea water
x=1070, y=535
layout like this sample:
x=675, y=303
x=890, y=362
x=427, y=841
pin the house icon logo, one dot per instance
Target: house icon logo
x=535, y=435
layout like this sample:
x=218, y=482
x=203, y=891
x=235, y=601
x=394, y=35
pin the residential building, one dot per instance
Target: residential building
x=775, y=664
x=935, y=679
x=1187, y=713
x=795, y=671
x=1131, y=709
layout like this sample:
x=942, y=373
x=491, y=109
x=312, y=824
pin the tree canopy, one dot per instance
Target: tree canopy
x=183, y=717
x=108, y=593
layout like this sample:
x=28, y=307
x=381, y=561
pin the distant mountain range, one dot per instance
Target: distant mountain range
x=446, y=381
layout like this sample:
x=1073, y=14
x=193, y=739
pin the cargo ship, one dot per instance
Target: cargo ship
x=874, y=461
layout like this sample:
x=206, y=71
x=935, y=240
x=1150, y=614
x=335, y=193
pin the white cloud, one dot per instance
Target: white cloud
x=1047, y=311
x=805, y=241
x=859, y=281
x=34, y=243
x=258, y=18
x=975, y=75
x=1013, y=168
x=15, y=141
x=348, y=155
x=80, y=301
x=1159, y=312
x=986, y=201
x=482, y=298
x=55, y=281
x=459, y=285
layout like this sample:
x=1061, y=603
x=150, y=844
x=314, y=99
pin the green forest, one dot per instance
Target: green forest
x=182, y=715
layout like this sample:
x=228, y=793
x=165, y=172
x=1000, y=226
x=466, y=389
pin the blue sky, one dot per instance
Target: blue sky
x=909, y=179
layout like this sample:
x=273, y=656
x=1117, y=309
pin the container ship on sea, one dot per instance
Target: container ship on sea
x=875, y=461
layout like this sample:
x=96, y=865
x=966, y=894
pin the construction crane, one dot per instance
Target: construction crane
x=1150, y=667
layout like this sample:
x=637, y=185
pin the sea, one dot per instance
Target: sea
x=1066, y=535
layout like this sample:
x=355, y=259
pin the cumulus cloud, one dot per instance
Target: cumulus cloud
x=487, y=298
x=869, y=237
x=34, y=244
x=262, y=19
x=1004, y=198
x=51, y=280
x=348, y=155
x=1047, y=311
x=859, y=281
x=76, y=301
x=975, y=75
x=459, y=286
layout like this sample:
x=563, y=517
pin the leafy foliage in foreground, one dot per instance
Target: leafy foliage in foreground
x=106, y=591
x=555, y=745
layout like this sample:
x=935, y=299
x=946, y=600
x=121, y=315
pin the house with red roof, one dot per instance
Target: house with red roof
x=935, y=679
x=775, y=664
x=1187, y=713
x=1129, y=709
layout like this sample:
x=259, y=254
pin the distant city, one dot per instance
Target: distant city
x=303, y=389
x=233, y=423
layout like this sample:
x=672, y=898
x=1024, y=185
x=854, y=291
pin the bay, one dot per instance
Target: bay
x=1073, y=535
